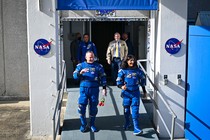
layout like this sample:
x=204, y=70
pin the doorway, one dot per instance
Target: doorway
x=102, y=32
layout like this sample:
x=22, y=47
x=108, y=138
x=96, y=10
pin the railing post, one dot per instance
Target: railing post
x=58, y=104
x=173, y=126
x=53, y=121
x=65, y=78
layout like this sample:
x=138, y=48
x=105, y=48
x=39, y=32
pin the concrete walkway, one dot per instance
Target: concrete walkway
x=14, y=120
x=109, y=120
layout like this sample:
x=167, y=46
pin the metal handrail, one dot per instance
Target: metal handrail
x=58, y=105
x=171, y=133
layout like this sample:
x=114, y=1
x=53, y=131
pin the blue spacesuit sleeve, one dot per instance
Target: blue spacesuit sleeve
x=76, y=73
x=102, y=75
x=120, y=78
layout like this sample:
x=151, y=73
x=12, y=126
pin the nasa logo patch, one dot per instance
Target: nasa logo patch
x=173, y=45
x=42, y=46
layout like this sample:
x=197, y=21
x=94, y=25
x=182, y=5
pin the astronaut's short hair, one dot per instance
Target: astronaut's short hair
x=89, y=52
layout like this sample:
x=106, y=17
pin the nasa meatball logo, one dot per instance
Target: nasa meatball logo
x=42, y=46
x=173, y=45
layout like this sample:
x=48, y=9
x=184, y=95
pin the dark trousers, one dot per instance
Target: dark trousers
x=115, y=65
x=74, y=64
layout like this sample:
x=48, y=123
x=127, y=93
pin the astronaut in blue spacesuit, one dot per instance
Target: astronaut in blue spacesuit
x=91, y=76
x=86, y=45
x=128, y=80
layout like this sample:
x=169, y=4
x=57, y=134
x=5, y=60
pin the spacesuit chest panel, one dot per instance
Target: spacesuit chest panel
x=131, y=79
x=91, y=74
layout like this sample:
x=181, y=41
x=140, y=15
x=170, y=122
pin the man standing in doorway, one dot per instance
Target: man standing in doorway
x=128, y=43
x=116, y=52
x=74, y=49
x=85, y=46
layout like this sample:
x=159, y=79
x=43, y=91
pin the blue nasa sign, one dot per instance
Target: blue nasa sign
x=42, y=46
x=173, y=45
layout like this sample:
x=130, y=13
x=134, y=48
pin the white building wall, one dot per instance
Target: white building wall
x=171, y=23
x=13, y=50
x=42, y=69
x=2, y=78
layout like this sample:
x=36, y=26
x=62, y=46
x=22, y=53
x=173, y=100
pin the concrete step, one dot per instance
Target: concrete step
x=109, y=121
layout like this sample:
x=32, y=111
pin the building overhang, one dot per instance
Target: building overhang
x=117, y=15
x=107, y=4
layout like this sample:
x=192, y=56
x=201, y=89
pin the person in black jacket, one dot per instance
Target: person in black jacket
x=129, y=44
x=74, y=49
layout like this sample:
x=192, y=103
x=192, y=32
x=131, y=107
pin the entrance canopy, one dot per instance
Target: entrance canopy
x=107, y=4
x=118, y=15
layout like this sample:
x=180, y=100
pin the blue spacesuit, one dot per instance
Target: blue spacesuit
x=131, y=96
x=83, y=48
x=89, y=90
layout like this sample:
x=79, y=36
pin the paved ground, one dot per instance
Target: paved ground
x=14, y=120
x=109, y=120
